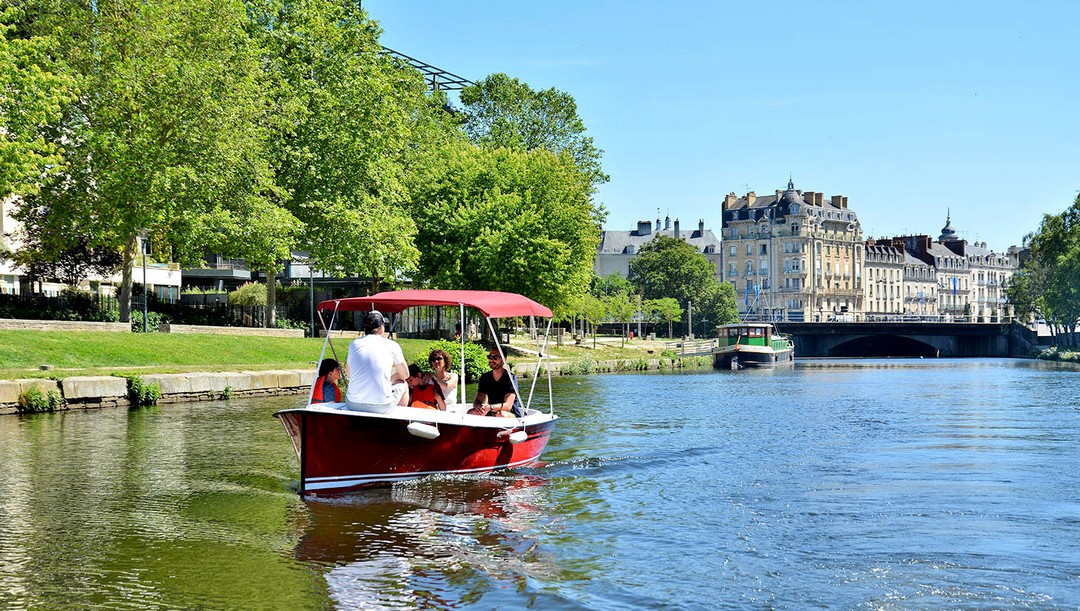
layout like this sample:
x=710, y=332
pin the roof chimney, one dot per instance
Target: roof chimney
x=644, y=227
x=701, y=228
x=676, y=228
x=729, y=199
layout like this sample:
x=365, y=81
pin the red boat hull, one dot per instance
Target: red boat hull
x=341, y=451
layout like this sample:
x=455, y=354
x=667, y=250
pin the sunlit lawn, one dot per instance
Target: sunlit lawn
x=22, y=353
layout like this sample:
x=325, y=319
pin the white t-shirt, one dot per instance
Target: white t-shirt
x=371, y=361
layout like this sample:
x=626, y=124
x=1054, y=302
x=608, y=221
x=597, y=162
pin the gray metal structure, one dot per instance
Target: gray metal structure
x=437, y=78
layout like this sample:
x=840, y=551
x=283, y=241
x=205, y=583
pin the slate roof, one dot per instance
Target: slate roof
x=615, y=242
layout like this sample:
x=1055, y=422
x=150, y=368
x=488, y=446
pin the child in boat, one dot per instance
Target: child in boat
x=423, y=391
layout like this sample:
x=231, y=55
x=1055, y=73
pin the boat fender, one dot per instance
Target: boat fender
x=421, y=429
x=518, y=436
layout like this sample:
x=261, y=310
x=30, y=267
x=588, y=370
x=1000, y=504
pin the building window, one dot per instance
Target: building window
x=764, y=249
x=732, y=250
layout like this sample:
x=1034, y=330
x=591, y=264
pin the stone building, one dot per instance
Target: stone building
x=793, y=255
x=884, y=287
x=952, y=272
x=913, y=289
x=618, y=248
x=920, y=287
x=988, y=275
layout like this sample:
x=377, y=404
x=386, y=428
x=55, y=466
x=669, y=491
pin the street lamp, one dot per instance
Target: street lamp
x=143, y=232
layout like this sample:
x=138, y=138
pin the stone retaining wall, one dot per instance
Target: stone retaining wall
x=170, y=328
x=106, y=391
x=15, y=324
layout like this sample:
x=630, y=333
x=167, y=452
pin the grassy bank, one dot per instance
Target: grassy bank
x=93, y=353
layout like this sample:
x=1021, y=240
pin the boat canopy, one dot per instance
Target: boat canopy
x=493, y=304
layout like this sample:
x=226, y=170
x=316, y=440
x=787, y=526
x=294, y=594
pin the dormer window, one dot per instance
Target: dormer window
x=629, y=250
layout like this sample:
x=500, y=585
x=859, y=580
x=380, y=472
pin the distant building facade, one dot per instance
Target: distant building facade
x=796, y=256
x=793, y=255
x=163, y=279
x=618, y=248
x=884, y=287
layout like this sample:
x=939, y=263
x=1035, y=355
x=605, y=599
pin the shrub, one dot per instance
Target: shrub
x=583, y=365
x=251, y=294
x=475, y=357
x=288, y=323
x=34, y=400
x=154, y=321
x=141, y=392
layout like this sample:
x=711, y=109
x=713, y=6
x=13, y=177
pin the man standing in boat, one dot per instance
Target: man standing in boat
x=377, y=369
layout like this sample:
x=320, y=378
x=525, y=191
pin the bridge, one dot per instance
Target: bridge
x=908, y=339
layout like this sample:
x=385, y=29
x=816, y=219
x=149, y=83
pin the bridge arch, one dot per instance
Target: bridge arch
x=883, y=345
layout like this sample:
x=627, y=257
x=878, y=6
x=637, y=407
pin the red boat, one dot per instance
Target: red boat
x=342, y=450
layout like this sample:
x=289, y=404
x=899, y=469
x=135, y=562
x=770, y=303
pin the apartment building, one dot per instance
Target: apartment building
x=793, y=255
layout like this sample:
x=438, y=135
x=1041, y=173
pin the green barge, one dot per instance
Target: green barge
x=751, y=344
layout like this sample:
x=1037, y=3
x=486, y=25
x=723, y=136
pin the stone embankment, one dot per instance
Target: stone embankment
x=206, y=329
x=84, y=392
x=105, y=391
x=16, y=324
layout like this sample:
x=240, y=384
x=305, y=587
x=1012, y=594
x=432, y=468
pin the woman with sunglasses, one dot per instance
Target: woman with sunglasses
x=446, y=379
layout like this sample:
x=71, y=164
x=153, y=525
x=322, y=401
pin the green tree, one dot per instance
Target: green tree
x=592, y=310
x=347, y=121
x=33, y=91
x=620, y=307
x=672, y=268
x=665, y=309
x=612, y=284
x=1049, y=282
x=500, y=219
x=259, y=231
x=501, y=111
x=164, y=125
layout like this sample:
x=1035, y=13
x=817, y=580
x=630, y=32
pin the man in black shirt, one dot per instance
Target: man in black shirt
x=496, y=393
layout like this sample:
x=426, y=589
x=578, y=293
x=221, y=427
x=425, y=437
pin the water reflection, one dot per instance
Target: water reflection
x=439, y=542
x=917, y=484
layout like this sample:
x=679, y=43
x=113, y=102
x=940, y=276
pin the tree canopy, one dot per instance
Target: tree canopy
x=254, y=128
x=33, y=90
x=502, y=111
x=501, y=219
x=667, y=267
x=163, y=125
x=1048, y=284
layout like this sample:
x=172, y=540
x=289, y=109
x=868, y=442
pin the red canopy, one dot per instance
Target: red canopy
x=492, y=304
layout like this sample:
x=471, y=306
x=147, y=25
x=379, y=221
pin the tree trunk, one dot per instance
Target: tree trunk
x=126, y=279
x=270, y=318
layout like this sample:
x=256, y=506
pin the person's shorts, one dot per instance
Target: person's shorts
x=396, y=391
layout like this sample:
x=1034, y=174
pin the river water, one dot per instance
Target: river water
x=879, y=484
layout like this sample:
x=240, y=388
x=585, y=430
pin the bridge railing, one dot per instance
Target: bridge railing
x=871, y=317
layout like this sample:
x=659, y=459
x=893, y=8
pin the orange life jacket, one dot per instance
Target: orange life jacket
x=316, y=396
x=423, y=395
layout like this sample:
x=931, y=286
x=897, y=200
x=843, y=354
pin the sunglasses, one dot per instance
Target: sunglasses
x=493, y=357
x=437, y=359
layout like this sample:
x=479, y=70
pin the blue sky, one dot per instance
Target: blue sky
x=909, y=108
